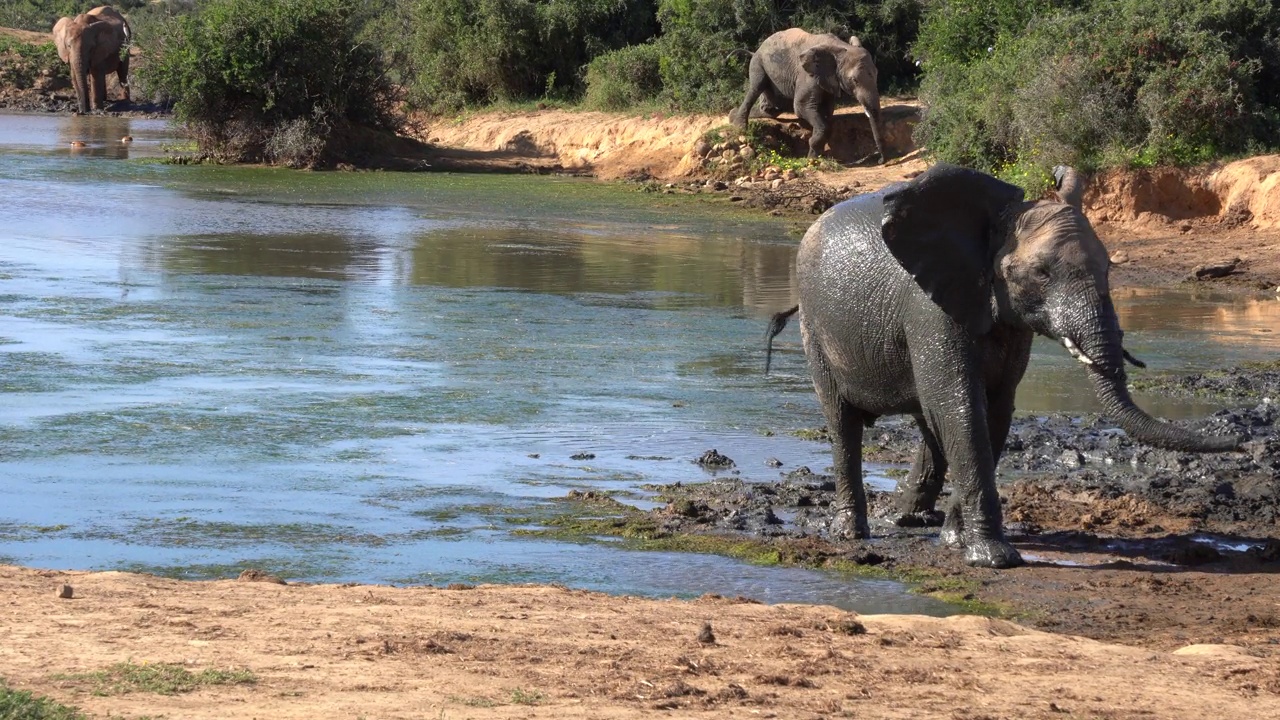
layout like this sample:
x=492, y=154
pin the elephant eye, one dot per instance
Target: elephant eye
x=1042, y=273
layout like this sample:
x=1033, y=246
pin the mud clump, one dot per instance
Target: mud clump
x=256, y=575
x=1250, y=381
x=713, y=460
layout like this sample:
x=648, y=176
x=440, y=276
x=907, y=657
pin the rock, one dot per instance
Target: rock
x=702, y=148
x=719, y=185
x=126, y=139
x=1209, y=271
x=789, y=174
x=583, y=456
x=1072, y=458
x=773, y=462
x=705, y=635
x=747, y=153
x=713, y=460
x=1119, y=258
x=65, y=592
x=770, y=175
x=742, y=139
x=718, y=148
x=735, y=198
x=777, y=183
x=1185, y=227
x=729, y=154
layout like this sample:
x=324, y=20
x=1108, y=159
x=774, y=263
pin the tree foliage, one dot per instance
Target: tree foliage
x=1103, y=83
x=270, y=80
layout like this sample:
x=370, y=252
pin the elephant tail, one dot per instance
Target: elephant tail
x=741, y=53
x=776, y=325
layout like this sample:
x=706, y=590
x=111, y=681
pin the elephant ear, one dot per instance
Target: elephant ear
x=818, y=62
x=942, y=228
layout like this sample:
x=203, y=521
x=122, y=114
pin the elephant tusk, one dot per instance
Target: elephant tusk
x=1076, y=352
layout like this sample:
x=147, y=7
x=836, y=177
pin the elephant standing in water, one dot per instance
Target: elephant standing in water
x=923, y=299
x=91, y=44
x=807, y=74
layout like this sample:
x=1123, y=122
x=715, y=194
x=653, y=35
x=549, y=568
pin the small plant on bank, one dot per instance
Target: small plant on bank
x=520, y=696
x=278, y=81
x=159, y=678
x=22, y=705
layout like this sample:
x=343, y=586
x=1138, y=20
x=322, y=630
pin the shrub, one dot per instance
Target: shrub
x=40, y=15
x=22, y=64
x=624, y=78
x=474, y=52
x=1114, y=82
x=271, y=80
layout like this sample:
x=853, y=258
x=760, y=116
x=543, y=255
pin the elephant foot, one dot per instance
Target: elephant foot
x=991, y=553
x=848, y=526
x=919, y=518
x=952, y=534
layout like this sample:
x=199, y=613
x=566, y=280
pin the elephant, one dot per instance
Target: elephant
x=91, y=43
x=922, y=299
x=807, y=74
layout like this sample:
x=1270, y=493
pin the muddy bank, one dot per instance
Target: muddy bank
x=1123, y=542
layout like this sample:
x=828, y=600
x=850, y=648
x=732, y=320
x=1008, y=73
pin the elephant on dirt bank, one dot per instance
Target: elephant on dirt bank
x=807, y=74
x=91, y=43
x=922, y=299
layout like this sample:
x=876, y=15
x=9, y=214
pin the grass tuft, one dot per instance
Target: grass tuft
x=160, y=678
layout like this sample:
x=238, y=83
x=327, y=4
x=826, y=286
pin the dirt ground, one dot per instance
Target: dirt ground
x=355, y=651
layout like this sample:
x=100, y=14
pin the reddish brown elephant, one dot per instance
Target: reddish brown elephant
x=94, y=44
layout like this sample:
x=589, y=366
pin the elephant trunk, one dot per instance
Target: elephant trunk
x=1097, y=343
x=870, y=101
x=80, y=76
x=1070, y=185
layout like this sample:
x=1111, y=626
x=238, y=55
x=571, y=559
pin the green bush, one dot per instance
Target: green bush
x=40, y=15
x=624, y=78
x=474, y=52
x=22, y=64
x=271, y=80
x=1115, y=82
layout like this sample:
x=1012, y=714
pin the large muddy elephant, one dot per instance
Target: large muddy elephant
x=796, y=71
x=94, y=44
x=922, y=299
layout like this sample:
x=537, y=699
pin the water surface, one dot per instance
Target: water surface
x=368, y=376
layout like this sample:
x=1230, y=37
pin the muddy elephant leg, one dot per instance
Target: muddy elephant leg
x=817, y=112
x=845, y=422
x=954, y=403
x=757, y=82
x=99, y=89
x=772, y=105
x=918, y=491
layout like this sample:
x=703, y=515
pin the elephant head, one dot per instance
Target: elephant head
x=91, y=43
x=985, y=256
x=847, y=70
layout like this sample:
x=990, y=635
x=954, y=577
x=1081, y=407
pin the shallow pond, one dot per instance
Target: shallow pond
x=365, y=376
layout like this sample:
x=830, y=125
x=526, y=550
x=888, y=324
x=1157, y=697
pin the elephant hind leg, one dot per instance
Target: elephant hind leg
x=918, y=491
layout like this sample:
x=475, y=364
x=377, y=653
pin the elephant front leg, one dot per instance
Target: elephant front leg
x=955, y=408
x=974, y=519
x=918, y=491
x=817, y=111
x=99, y=89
